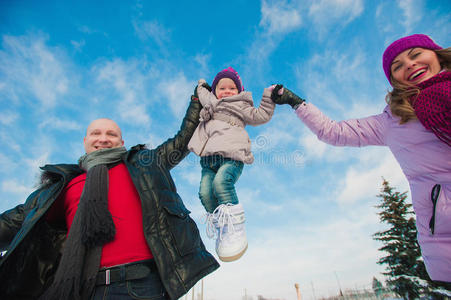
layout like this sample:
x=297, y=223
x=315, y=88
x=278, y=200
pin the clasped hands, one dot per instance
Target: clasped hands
x=279, y=95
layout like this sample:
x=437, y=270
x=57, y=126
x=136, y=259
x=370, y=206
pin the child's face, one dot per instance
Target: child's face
x=415, y=65
x=226, y=88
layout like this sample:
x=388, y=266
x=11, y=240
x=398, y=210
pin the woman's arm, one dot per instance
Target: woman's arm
x=353, y=132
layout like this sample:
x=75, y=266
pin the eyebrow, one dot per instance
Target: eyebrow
x=408, y=53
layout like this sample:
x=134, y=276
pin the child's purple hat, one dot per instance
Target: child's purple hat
x=398, y=46
x=228, y=73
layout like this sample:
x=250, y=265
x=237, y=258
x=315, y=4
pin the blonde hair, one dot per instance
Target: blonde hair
x=398, y=98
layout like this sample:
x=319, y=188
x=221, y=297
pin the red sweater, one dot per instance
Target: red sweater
x=129, y=244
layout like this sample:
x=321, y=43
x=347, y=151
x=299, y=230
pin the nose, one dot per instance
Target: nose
x=410, y=63
x=103, y=139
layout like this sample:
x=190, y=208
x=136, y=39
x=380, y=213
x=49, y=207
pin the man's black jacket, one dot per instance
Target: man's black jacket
x=34, y=247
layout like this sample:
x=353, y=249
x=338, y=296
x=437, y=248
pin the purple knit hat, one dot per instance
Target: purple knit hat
x=228, y=73
x=398, y=46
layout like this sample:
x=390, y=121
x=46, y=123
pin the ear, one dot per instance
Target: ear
x=122, y=144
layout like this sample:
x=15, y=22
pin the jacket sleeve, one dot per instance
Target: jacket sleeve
x=11, y=220
x=206, y=97
x=256, y=116
x=354, y=132
x=171, y=152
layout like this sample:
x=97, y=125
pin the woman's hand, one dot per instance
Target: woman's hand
x=281, y=95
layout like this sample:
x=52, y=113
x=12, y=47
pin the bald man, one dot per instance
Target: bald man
x=110, y=227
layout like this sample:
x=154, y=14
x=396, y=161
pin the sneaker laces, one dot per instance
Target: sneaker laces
x=224, y=219
x=210, y=220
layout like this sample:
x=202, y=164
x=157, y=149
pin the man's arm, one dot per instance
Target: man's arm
x=11, y=220
x=171, y=152
x=10, y=223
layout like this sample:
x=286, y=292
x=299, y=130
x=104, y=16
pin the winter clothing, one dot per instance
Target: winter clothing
x=433, y=105
x=227, y=224
x=398, y=46
x=217, y=183
x=287, y=97
x=425, y=161
x=227, y=73
x=224, y=134
x=147, y=287
x=34, y=246
x=93, y=225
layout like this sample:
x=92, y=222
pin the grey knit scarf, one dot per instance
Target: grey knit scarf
x=91, y=228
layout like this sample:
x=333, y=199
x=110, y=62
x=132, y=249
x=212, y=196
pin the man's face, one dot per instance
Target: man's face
x=101, y=134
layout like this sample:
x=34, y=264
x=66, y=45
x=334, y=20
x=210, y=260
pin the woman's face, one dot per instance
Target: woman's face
x=415, y=65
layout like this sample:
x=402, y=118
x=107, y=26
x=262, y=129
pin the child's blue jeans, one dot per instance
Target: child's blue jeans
x=217, y=184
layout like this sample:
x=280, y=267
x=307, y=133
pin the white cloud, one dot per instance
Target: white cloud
x=203, y=60
x=30, y=66
x=364, y=178
x=191, y=175
x=36, y=163
x=279, y=17
x=314, y=148
x=128, y=81
x=8, y=165
x=327, y=13
x=63, y=125
x=413, y=13
x=152, y=30
x=176, y=89
x=8, y=117
x=9, y=141
x=14, y=187
x=78, y=45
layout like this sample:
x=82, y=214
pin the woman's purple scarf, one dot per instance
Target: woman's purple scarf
x=433, y=105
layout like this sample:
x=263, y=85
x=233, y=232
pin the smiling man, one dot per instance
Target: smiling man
x=102, y=133
x=110, y=227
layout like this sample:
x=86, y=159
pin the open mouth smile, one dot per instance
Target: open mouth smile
x=415, y=75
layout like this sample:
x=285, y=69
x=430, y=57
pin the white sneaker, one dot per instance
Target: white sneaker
x=226, y=223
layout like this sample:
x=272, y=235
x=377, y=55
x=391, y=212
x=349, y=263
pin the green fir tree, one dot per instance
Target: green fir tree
x=405, y=268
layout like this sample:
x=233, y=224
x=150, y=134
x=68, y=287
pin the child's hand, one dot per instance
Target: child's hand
x=204, y=84
x=271, y=88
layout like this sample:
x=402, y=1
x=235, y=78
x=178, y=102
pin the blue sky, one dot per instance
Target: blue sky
x=309, y=206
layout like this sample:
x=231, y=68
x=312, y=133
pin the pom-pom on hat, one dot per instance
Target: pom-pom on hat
x=398, y=46
x=228, y=73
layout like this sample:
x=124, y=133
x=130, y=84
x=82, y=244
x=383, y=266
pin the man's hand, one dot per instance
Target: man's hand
x=281, y=95
x=207, y=86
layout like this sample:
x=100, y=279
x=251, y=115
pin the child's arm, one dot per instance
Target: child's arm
x=257, y=116
x=206, y=97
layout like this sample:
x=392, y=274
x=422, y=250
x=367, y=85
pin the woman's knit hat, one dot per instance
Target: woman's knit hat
x=398, y=46
x=227, y=73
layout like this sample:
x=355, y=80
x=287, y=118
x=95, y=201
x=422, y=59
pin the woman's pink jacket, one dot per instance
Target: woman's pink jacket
x=425, y=161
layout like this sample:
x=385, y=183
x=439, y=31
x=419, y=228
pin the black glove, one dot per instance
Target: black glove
x=207, y=86
x=195, y=95
x=287, y=97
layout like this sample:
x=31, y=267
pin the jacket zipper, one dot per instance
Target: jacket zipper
x=203, y=147
x=435, y=194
